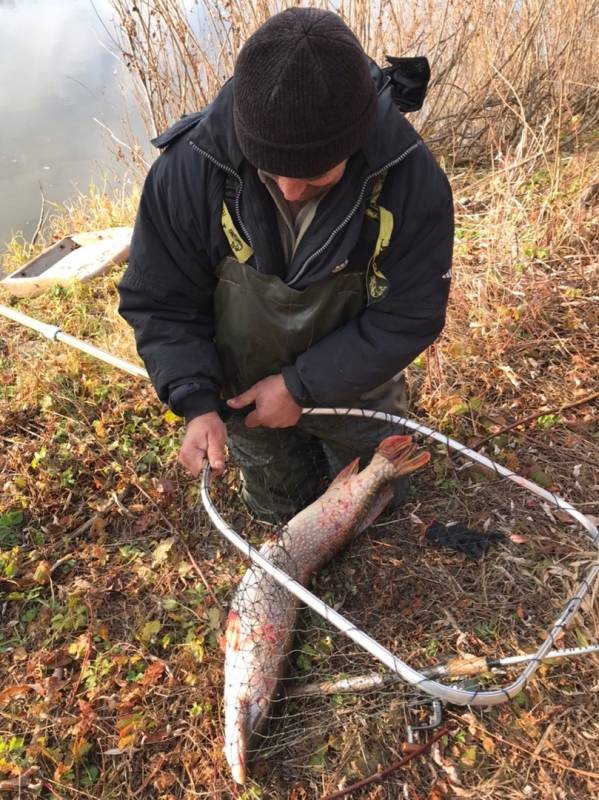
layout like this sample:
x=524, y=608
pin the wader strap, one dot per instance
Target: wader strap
x=240, y=248
x=377, y=284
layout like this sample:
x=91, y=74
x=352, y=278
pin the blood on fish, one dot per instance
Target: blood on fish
x=270, y=633
x=233, y=630
x=259, y=633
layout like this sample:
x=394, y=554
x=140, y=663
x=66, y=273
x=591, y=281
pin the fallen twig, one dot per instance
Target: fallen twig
x=158, y=766
x=536, y=415
x=20, y=782
x=41, y=219
x=379, y=776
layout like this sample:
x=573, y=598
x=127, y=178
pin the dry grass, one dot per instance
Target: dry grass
x=107, y=626
x=505, y=75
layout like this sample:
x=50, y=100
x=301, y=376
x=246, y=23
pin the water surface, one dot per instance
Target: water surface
x=57, y=75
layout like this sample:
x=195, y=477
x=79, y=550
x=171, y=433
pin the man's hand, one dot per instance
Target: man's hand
x=204, y=438
x=275, y=407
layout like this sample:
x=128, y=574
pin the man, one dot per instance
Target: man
x=292, y=249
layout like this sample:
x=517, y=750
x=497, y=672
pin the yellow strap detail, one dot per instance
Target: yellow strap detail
x=377, y=284
x=385, y=231
x=241, y=249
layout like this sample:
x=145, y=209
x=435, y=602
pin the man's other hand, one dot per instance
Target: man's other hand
x=205, y=438
x=275, y=407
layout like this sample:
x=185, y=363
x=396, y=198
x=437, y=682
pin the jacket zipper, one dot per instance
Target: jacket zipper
x=237, y=177
x=353, y=210
x=335, y=231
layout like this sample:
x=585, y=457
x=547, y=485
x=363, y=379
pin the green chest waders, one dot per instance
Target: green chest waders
x=261, y=325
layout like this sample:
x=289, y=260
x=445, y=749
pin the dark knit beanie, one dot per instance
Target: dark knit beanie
x=303, y=94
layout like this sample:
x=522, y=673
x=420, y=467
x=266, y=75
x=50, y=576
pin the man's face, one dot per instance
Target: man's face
x=307, y=188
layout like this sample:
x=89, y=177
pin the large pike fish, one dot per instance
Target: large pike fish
x=262, y=619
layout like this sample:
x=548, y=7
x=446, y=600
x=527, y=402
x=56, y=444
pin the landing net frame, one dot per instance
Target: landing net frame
x=447, y=694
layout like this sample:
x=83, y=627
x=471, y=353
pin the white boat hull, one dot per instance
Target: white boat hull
x=79, y=257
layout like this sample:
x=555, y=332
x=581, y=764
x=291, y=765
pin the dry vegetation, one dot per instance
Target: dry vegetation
x=114, y=586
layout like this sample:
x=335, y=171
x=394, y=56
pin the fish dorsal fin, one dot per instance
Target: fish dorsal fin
x=352, y=469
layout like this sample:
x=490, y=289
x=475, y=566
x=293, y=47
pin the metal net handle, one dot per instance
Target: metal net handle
x=448, y=694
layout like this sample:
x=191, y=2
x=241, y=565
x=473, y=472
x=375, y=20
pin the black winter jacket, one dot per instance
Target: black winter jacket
x=166, y=292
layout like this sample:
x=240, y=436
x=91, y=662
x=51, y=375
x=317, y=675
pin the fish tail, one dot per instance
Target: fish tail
x=401, y=456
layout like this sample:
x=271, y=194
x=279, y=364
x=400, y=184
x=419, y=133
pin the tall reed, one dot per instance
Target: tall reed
x=505, y=74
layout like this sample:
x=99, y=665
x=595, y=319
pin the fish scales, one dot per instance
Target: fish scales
x=263, y=615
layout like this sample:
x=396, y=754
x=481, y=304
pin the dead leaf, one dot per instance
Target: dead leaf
x=149, y=630
x=98, y=553
x=159, y=735
x=166, y=491
x=438, y=791
x=537, y=475
x=162, y=550
x=518, y=538
x=153, y=673
x=79, y=748
x=56, y=658
x=6, y=695
x=42, y=573
x=145, y=522
x=130, y=699
x=60, y=771
x=563, y=516
x=164, y=781
x=98, y=525
x=128, y=740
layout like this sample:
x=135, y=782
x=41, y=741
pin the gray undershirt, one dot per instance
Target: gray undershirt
x=293, y=218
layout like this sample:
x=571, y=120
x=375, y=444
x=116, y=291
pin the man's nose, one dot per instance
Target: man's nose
x=291, y=188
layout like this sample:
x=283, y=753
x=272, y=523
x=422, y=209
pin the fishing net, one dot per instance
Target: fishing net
x=407, y=594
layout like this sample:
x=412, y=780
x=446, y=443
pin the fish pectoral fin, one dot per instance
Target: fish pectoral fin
x=379, y=505
x=351, y=469
x=394, y=447
x=402, y=454
x=414, y=462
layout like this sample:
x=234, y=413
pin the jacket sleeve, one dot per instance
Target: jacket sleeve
x=166, y=296
x=390, y=333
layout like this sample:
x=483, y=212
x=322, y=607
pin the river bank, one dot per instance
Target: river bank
x=111, y=673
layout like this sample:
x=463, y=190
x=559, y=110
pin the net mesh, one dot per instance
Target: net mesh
x=424, y=603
